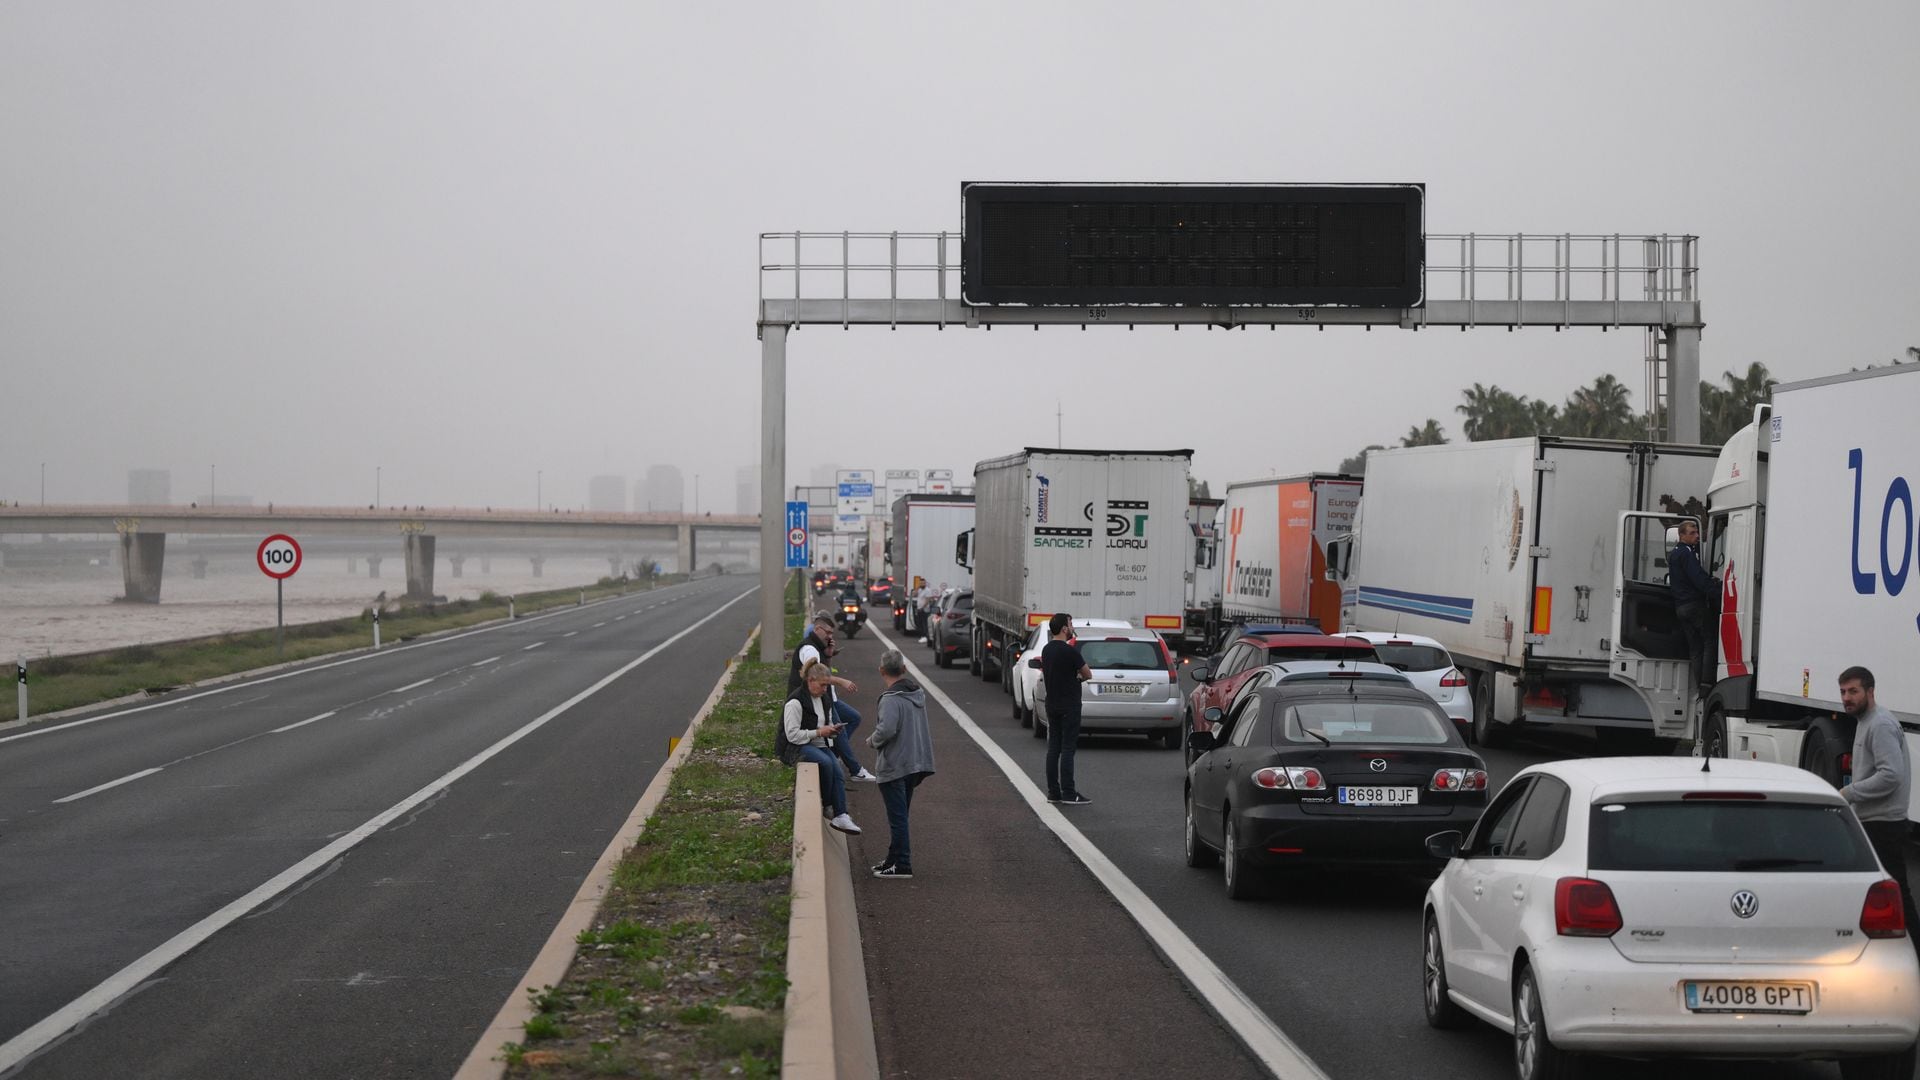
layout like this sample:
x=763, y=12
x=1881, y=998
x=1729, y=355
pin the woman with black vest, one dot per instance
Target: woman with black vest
x=807, y=721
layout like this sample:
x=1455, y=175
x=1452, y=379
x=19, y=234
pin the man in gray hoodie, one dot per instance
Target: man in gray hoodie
x=904, y=748
x=1882, y=779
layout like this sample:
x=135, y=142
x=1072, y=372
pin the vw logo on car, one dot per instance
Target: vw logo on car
x=1744, y=903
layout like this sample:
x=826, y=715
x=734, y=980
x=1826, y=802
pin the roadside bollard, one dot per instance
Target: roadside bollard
x=376, y=627
x=510, y=607
x=20, y=674
x=583, y=597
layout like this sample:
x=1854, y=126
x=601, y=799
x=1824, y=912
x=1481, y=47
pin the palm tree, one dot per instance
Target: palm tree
x=1478, y=409
x=1357, y=464
x=1428, y=434
x=1725, y=410
x=1601, y=411
x=1541, y=419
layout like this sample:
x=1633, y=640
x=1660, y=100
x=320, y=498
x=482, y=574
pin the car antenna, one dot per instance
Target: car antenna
x=1706, y=763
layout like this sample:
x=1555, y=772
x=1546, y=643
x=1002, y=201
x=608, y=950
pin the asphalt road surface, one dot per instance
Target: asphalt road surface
x=1335, y=960
x=353, y=863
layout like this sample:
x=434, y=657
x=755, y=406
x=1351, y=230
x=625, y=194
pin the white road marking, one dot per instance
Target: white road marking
x=33, y=1039
x=412, y=686
x=596, y=626
x=533, y=646
x=1263, y=1037
x=619, y=618
x=303, y=723
x=388, y=651
x=570, y=633
x=484, y=663
x=109, y=784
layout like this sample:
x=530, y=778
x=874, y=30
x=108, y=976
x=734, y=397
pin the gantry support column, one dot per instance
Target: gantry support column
x=419, y=566
x=683, y=548
x=141, y=557
x=1683, y=384
x=773, y=490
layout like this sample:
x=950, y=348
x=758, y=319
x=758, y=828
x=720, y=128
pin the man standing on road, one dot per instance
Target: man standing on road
x=1695, y=596
x=927, y=597
x=1063, y=670
x=904, y=747
x=1882, y=776
x=818, y=645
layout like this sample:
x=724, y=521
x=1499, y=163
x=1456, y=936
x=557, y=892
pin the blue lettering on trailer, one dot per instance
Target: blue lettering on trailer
x=1899, y=494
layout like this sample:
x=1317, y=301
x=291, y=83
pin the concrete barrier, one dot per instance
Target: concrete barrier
x=829, y=1018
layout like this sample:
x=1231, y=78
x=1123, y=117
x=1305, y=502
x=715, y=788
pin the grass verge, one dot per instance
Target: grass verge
x=65, y=682
x=683, y=973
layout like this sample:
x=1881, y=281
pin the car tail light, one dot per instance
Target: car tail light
x=1583, y=907
x=1459, y=780
x=1453, y=678
x=1846, y=762
x=1295, y=779
x=1882, y=915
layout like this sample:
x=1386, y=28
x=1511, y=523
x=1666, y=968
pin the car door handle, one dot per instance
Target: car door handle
x=1519, y=893
x=1478, y=888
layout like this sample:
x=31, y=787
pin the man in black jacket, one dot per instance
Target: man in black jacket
x=1696, y=595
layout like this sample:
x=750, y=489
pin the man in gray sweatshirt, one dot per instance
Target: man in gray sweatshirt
x=1882, y=781
x=904, y=746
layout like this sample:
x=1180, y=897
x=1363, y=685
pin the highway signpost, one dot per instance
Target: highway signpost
x=279, y=559
x=797, y=553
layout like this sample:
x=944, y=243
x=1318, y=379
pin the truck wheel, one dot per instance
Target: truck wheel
x=1487, y=731
x=1713, y=735
x=1820, y=751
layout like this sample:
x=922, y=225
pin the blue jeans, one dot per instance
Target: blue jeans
x=1063, y=732
x=833, y=786
x=898, y=795
x=843, y=743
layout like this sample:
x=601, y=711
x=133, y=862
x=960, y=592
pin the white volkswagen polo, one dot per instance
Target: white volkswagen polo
x=1646, y=907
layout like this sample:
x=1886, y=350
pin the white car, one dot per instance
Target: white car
x=1026, y=663
x=1135, y=687
x=1647, y=907
x=1429, y=666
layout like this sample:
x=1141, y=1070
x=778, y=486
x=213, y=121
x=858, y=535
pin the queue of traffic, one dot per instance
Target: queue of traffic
x=1359, y=636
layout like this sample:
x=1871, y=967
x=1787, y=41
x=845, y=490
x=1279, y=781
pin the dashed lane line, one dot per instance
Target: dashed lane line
x=484, y=663
x=304, y=723
x=1282, y=1058
x=570, y=633
x=109, y=784
x=413, y=685
x=533, y=646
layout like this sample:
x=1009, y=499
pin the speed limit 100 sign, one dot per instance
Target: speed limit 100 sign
x=279, y=556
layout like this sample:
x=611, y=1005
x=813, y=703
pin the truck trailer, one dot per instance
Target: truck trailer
x=1811, y=530
x=925, y=528
x=1097, y=533
x=1273, y=565
x=1203, y=577
x=1540, y=563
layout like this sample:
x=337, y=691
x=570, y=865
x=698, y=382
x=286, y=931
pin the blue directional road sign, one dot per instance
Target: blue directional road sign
x=797, y=554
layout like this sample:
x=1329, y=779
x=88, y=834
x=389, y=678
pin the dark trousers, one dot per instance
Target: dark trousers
x=843, y=742
x=1063, y=733
x=1889, y=840
x=898, y=795
x=1696, y=622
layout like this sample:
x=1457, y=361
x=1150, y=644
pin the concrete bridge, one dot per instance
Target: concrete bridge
x=143, y=531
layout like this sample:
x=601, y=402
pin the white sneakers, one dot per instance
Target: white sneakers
x=863, y=774
x=845, y=824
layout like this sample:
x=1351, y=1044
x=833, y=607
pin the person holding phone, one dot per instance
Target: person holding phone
x=1063, y=670
x=808, y=720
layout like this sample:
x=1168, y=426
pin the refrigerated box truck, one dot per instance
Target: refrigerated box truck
x=1097, y=533
x=1273, y=565
x=1811, y=529
x=1540, y=563
x=925, y=528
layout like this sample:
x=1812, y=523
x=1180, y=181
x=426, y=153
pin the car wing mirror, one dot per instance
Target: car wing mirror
x=1445, y=845
x=1202, y=672
x=1034, y=663
x=1199, y=741
x=1212, y=714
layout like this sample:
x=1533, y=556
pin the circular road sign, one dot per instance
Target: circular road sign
x=796, y=536
x=279, y=556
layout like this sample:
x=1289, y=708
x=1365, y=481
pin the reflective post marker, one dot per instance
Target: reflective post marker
x=20, y=676
x=376, y=626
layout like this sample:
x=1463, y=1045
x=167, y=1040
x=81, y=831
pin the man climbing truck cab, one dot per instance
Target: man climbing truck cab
x=1813, y=530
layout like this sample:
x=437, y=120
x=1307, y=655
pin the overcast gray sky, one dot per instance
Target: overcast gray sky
x=468, y=242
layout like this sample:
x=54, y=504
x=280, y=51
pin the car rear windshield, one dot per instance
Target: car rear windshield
x=1413, y=657
x=1339, y=722
x=965, y=603
x=1122, y=655
x=1714, y=835
x=1280, y=654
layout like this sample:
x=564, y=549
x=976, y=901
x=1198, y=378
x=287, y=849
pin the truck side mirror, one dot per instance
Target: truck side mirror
x=963, y=550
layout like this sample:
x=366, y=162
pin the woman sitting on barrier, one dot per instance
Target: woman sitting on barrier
x=806, y=721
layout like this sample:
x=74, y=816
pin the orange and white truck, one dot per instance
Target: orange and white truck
x=1272, y=552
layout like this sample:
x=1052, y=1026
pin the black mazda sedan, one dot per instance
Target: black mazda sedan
x=1327, y=767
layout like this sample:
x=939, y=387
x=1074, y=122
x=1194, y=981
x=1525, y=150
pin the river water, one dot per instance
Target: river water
x=49, y=609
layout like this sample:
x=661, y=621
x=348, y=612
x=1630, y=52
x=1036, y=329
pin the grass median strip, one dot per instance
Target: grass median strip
x=683, y=974
x=66, y=682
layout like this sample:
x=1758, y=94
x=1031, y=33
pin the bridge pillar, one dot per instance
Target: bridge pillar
x=614, y=563
x=457, y=562
x=539, y=561
x=373, y=567
x=141, y=557
x=684, y=547
x=199, y=567
x=419, y=566
x=1683, y=384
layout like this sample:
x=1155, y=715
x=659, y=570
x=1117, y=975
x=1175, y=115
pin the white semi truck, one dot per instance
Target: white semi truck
x=1540, y=563
x=1811, y=528
x=1097, y=533
x=925, y=528
x=1273, y=566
